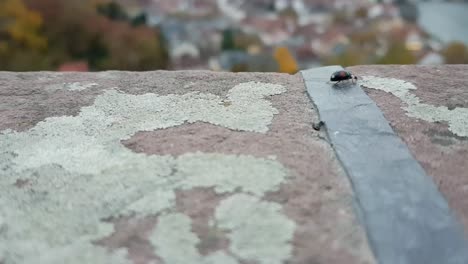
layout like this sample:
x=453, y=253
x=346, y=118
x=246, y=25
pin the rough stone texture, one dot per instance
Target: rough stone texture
x=429, y=112
x=120, y=167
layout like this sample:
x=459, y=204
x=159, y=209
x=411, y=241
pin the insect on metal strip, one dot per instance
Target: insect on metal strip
x=406, y=218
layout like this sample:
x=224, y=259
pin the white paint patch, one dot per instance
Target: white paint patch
x=457, y=118
x=79, y=174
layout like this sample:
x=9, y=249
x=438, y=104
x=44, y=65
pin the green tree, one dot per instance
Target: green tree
x=349, y=57
x=397, y=54
x=241, y=67
x=228, y=42
x=139, y=20
x=243, y=41
x=456, y=53
x=112, y=10
x=21, y=25
x=22, y=44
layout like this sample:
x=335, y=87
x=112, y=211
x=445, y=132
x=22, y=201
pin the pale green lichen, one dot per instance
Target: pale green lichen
x=175, y=243
x=258, y=230
x=230, y=172
x=457, y=118
x=79, y=173
x=75, y=86
x=88, y=253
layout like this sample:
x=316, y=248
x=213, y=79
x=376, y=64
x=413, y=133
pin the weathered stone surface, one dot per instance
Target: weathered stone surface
x=428, y=107
x=169, y=167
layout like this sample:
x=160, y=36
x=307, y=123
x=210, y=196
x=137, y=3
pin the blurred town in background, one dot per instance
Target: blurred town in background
x=228, y=35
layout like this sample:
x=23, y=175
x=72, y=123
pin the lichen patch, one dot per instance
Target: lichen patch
x=457, y=118
x=79, y=174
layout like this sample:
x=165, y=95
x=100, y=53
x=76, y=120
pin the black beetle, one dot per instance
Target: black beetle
x=342, y=75
x=317, y=126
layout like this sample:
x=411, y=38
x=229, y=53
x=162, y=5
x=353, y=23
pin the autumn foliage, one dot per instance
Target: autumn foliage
x=49, y=33
x=286, y=61
x=22, y=25
x=21, y=39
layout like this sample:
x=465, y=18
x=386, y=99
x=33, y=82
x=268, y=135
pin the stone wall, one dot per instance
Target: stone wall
x=203, y=167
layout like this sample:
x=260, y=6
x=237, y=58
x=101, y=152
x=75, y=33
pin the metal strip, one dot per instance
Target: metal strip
x=406, y=218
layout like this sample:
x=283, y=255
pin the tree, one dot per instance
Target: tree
x=69, y=27
x=228, y=42
x=341, y=17
x=21, y=42
x=21, y=25
x=361, y=12
x=289, y=13
x=77, y=30
x=112, y=10
x=241, y=67
x=397, y=54
x=286, y=62
x=456, y=53
x=130, y=48
x=262, y=63
x=243, y=41
x=139, y=20
x=349, y=57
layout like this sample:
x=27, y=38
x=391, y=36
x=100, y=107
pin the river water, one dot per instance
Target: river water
x=445, y=21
